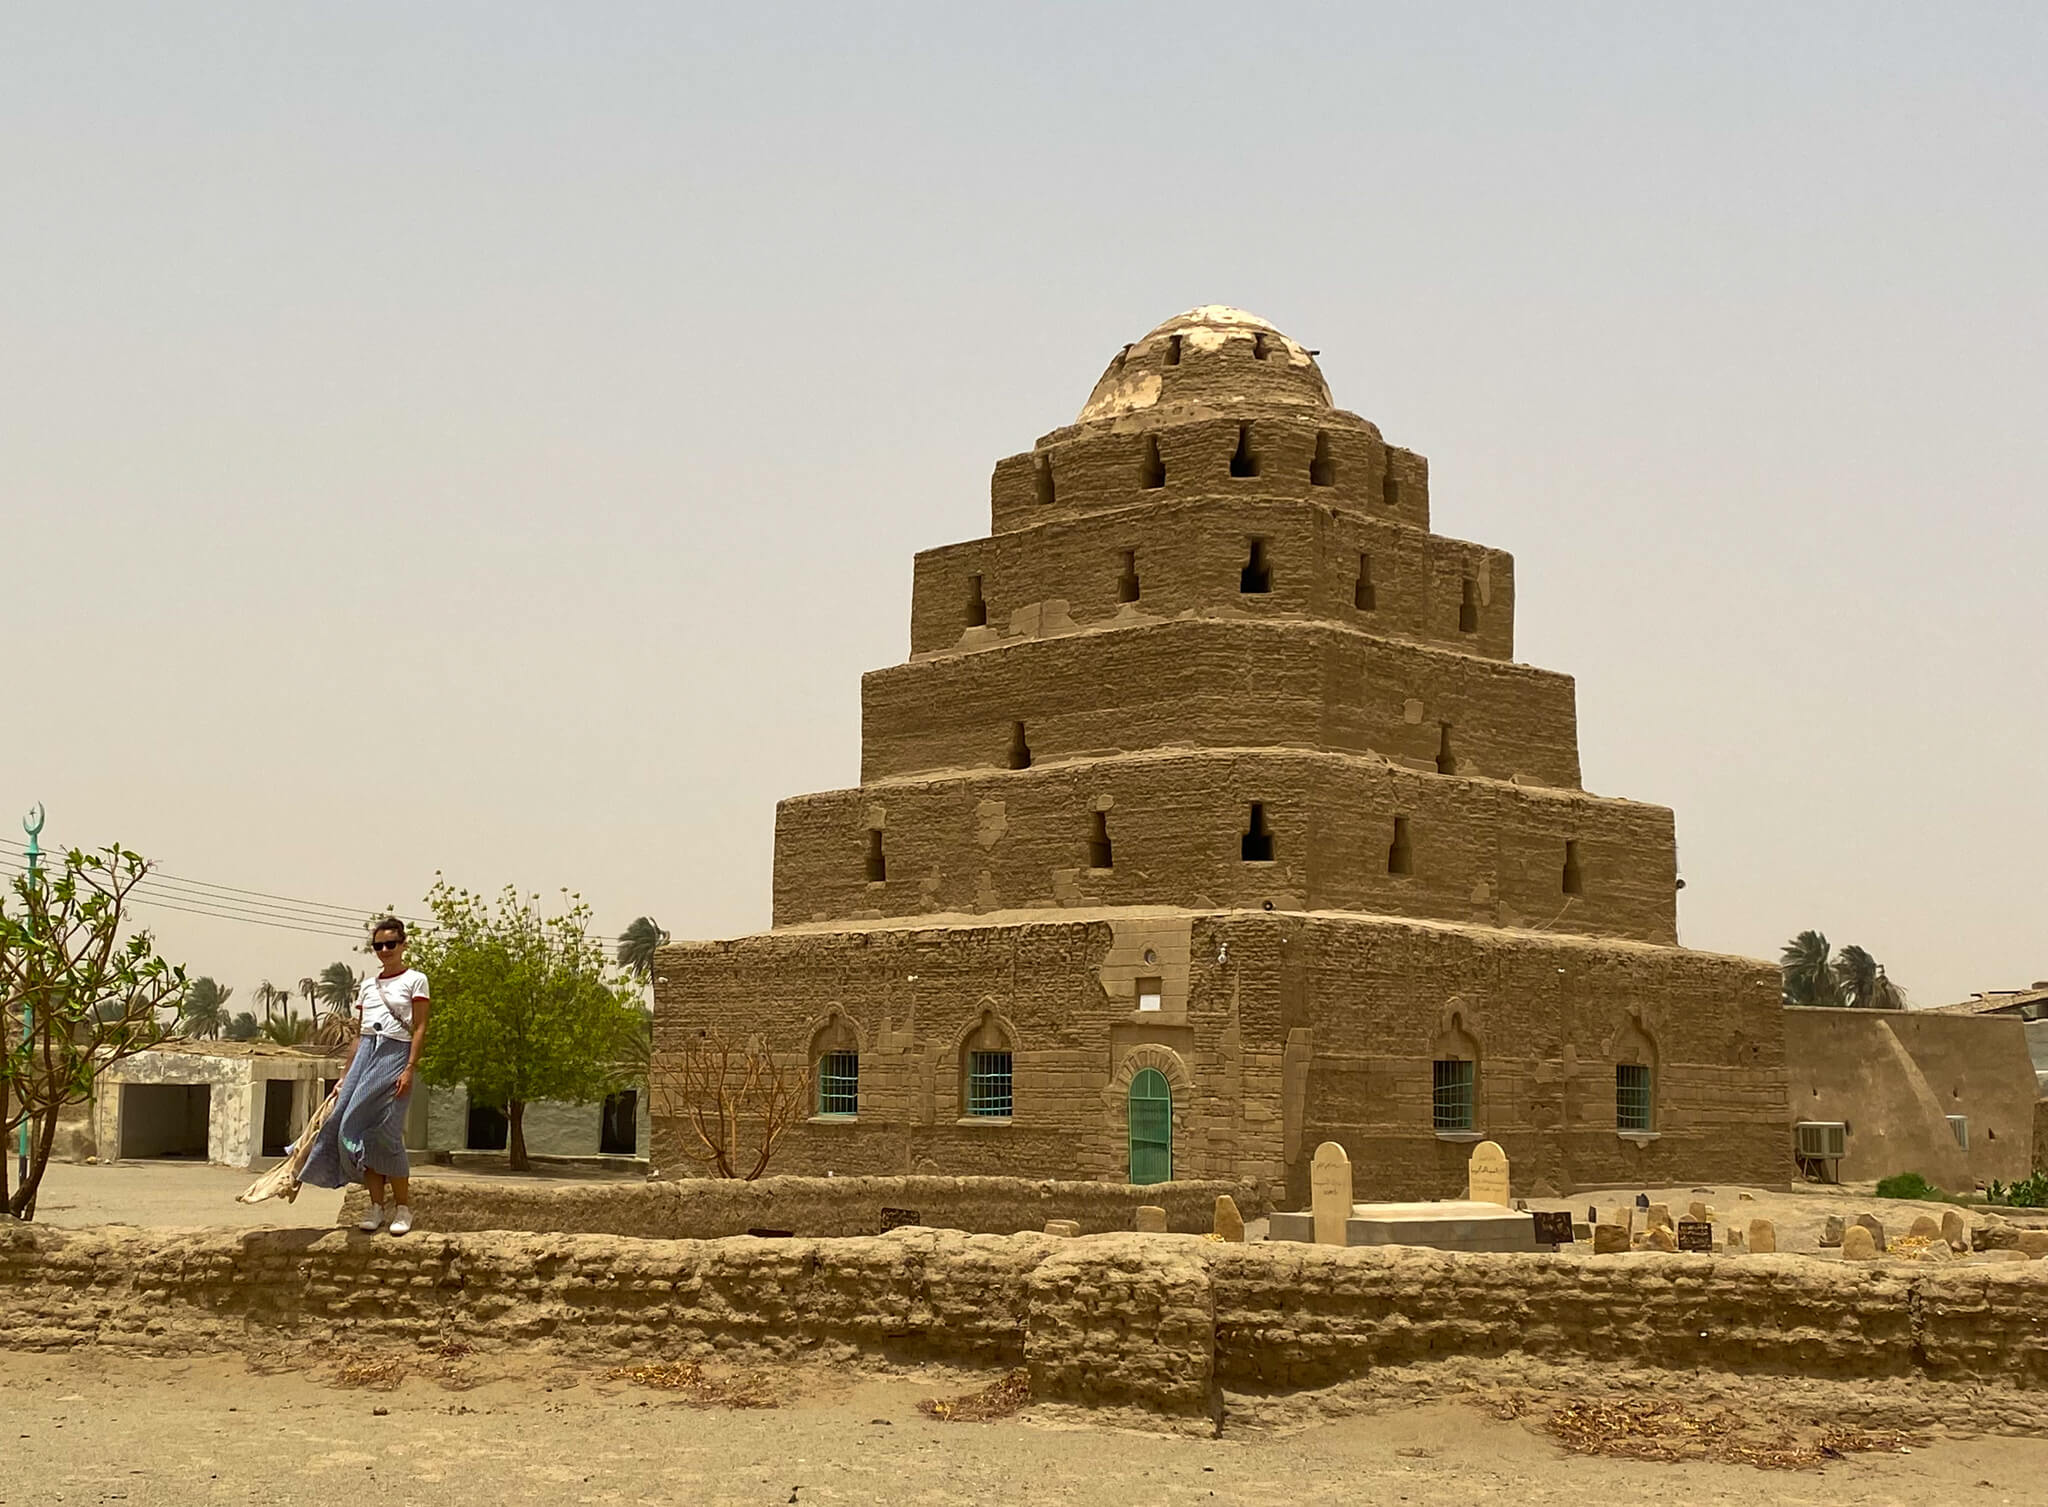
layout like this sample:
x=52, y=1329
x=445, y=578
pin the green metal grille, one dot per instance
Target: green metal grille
x=839, y=1083
x=1632, y=1096
x=1151, y=1127
x=1451, y=1095
x=988, y=1084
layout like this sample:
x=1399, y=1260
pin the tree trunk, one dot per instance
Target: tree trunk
x=515, y=1115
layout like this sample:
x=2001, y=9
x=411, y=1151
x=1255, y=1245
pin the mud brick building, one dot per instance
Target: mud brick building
x=1212, y=818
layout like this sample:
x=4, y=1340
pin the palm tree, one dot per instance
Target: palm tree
x=338, y=985
x=204, y=1010
x=243, y=1027
x=1809, y=976
x=288, y=1030
x=267, y=997
x=637, y=944
x=1863, y=985
x=1851, y=979
x=309, y=991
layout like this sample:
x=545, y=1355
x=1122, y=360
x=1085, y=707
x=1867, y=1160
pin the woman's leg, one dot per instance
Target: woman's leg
x=401, y=1189
x=374, y=1181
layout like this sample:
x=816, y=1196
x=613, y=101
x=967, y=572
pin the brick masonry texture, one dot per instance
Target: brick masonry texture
x=708, y=1208
x=1483, y=851
x=1167, y=1323
x=1186, y=558
x=1221, y=683
x=1545, y=1018
x=1212, y=720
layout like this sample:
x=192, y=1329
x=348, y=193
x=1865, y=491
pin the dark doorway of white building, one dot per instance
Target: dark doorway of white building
x=618, y=1131
x=277, y=1115
x=164, y=1119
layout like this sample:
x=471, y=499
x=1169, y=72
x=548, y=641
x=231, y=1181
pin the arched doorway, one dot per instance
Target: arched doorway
x=1150, y=1107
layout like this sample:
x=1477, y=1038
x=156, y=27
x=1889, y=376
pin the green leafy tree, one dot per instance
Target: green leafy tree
x=204, y=1009
x=309, y=991
x=244, y=1027
x=75, y=996
x=525, y=1006
x=637, y=945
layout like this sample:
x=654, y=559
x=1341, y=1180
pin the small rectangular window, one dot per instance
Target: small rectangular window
x=988, y=1084
x=1149, y=994
x=877, y=861
x=839, y=1083
x=1451, y=1095
x=1632, y=1096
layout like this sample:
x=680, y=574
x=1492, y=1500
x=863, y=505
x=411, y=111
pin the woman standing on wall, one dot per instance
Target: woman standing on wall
x=364, y=1138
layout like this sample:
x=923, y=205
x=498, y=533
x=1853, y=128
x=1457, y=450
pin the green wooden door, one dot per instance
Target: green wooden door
x=1151, y=1120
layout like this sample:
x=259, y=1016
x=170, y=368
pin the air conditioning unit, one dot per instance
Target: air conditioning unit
x=1821, y=1140
x=1960, y=1124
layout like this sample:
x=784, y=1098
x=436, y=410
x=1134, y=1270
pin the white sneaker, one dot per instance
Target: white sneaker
x=401, y=1220
x=369, y=1222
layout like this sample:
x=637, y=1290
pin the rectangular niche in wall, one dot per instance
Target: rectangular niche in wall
x=1150, y=994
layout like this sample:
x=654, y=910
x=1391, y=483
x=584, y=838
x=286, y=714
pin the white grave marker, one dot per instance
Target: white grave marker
x=1486, y=1175
x=1329, y=1187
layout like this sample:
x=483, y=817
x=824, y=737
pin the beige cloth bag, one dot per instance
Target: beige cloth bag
x=282, y=1181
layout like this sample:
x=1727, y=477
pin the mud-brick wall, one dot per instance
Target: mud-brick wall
x=706, y=1208
x=1546, y=1020
x=913, y=1000
x=1164, y=560
x=1484, y=851
x=1167, y=1323
x=1222, y=683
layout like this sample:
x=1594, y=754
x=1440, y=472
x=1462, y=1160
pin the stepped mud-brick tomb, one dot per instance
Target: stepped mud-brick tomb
x=1212, y=818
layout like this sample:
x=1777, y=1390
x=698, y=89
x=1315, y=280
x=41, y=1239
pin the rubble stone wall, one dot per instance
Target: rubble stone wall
x=1167, y=1323
x=701, y=1208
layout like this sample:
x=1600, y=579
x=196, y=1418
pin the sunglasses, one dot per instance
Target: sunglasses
x=387, y=946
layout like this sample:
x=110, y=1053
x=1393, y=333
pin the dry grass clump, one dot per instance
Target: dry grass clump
x=1648, y=1429
x=381, y=1373
x=384, y=1371
x=687, y=1378
x=999, y=1399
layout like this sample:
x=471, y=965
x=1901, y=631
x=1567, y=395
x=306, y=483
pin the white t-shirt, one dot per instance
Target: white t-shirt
x=384, y=1006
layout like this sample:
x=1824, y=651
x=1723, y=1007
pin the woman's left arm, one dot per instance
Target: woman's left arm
x=421, y=1009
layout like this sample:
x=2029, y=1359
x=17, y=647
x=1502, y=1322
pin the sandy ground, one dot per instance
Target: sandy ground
x=89, y=1427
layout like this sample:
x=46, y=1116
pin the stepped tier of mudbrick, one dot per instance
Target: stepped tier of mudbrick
x=1211, y=782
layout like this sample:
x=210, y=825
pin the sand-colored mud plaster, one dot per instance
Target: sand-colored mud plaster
x=1212, y=757
x=1894, y=1077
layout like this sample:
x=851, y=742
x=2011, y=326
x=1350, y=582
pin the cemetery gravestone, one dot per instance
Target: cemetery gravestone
x=1924, y=1227
x=1610, y=1239
x=1151, y=1219
x=1659, y=1216
x=1763, y=1237
x=1553, y=1229
x=1329, y=1186
x=1857, y=1244
x=1875, y=1225
x=1229, y=1223
x=1694, y=1235
x=1486, y=1175
x=1955, y=1229
x=893, y=1219
x=1066, y=1228
x=1831, y=1231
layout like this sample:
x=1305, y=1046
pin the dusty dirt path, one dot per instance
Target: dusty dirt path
x=90, y=1427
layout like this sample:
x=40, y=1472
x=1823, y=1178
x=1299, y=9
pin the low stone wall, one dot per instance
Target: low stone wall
x=1161, y=1322
x=708, y=1208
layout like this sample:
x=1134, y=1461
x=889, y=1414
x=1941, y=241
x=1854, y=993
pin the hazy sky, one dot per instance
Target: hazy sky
x=494, y=437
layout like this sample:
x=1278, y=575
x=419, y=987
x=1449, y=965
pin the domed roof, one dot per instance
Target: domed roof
x=1211, y=356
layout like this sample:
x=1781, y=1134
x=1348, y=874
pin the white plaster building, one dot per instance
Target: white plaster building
x=231, y=1102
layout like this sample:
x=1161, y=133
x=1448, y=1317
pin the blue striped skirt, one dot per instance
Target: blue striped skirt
x=366, y=1132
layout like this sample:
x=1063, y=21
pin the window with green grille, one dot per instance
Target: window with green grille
x=1151, y=1127
x=988, y=1084
x=839, y=1083
x=1632, y=1096
x=1451, y=1097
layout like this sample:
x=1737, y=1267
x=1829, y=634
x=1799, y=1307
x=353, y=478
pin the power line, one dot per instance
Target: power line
x=223, y=902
